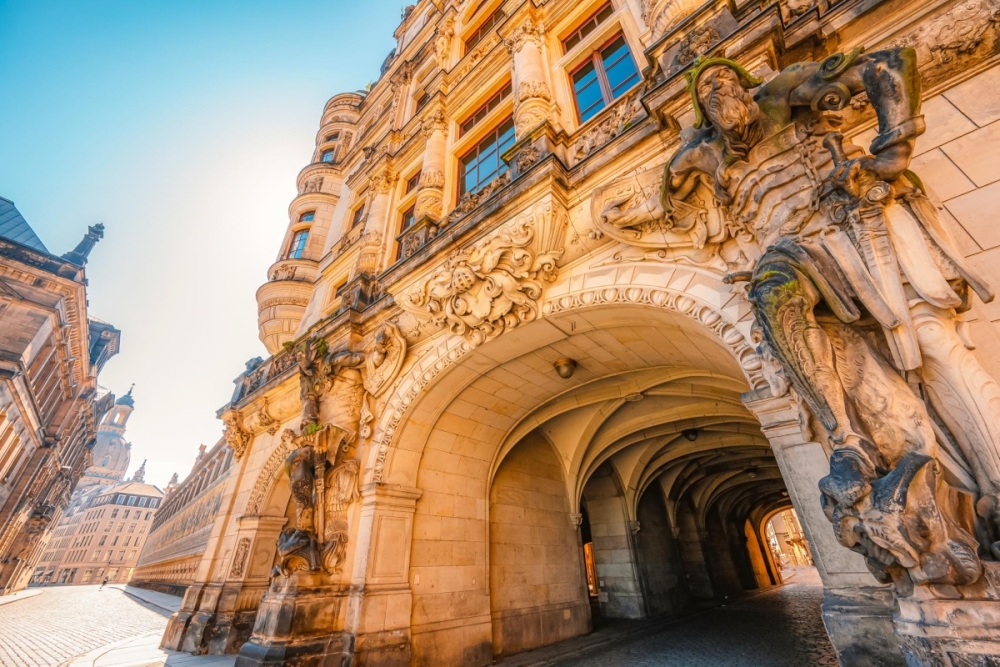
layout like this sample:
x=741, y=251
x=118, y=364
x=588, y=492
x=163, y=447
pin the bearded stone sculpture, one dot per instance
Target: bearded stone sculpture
x=856, y=286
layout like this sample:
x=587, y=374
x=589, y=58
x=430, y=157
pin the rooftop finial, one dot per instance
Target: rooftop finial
x=140, y=474
x=82, y=250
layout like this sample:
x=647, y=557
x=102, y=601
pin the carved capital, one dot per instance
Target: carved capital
x=533, y=89
x=529, y=31
x=436, y=121
x=383, y=180
x=431, y=179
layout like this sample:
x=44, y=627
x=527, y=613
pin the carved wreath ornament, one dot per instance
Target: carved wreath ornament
x=490, y=288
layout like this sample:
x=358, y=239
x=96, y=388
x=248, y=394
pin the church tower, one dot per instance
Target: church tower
x=111, y=453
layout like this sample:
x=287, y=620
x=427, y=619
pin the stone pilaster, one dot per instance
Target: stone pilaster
x=430, y=192
x=370, y=256
x=532, y=97
x=857, y=611
x=381, y=603
x=247, y=580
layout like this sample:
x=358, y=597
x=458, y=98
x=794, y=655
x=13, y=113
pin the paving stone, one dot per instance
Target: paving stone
x=64, y=622
x=781, y=627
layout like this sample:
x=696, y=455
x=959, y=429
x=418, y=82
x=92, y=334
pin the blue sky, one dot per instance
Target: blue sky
x=181, y=126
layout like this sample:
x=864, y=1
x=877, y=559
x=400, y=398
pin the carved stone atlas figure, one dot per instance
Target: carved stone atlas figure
x=856, y=287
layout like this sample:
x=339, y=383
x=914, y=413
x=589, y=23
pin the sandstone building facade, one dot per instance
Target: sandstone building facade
x=181, y=528
x=512, y=387
x=51, y=352
x=104, y=528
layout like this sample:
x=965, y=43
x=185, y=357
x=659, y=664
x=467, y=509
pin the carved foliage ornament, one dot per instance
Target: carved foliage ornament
x=240, y=558
x=442, y=43
x=436, y=121
x=529, y=31
x=236, y=437
x=530, y=89
x=954, y=34
x=490, y=288
x=623, y=115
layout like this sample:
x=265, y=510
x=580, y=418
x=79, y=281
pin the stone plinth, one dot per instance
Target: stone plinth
x=952, y=626
x=299, y=623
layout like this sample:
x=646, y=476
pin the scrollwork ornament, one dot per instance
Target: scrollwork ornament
x=494, y=286
x=237, y=439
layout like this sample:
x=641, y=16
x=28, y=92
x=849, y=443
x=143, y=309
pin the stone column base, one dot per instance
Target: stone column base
x=859, y=623
x=299, y=624
x=963, y=631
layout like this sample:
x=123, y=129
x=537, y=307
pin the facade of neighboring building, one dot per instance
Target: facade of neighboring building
x=104, y=528
x=496, y=409
x=104, y=536
x=51, y=352
x=180, y=531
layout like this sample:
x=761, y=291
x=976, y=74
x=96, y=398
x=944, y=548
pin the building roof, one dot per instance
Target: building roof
x=14, y=227
x=136, y=489
x=127, y=398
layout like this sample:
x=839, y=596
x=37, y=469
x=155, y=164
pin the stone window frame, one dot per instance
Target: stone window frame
x=460, y=145
x=294, y=249
x=406, y=200
x=485, y=22
x=621, y=21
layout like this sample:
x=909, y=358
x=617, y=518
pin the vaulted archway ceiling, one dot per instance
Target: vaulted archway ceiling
x=680, y=427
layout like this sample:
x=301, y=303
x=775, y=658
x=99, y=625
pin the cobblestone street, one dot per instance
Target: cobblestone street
x=777, y=628
x=64, y=622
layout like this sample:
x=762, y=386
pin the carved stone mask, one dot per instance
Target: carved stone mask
x=729, y=108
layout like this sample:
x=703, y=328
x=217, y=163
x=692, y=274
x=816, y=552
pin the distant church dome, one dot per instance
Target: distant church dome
x=111, y=453
x=127, y=398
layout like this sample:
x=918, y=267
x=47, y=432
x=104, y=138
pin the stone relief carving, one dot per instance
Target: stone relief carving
x=284, y=272
x=696, y=43
x=526, y=157
x=240, y=558
x=477, y=54
x=383, y=361
x=623, y=115
x=261, y=420
x=530, y=89
x=529, y=31
x=434, y=122
x=431, y=179
x=442, y=43
x=470, y=200
x=955, y=34
x=663, y=15
x=494, y=286
x=629, y=210
x=312, y=185
x=793, y=9
x=237, y=439
x=854, y=283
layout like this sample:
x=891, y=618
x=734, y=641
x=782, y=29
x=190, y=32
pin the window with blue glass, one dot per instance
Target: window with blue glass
x=604, y=77
x=482, y=164
x=298, y=246
x=329, y=155
x=307, y=217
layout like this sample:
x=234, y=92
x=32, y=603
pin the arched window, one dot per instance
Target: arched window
x=298, y=246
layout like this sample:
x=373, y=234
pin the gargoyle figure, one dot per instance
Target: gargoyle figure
x=855, y=285
x=297, y=552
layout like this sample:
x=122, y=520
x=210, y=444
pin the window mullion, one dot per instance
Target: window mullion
x=602, y=79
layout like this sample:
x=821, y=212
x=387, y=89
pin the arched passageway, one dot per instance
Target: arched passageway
x=551, y=503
